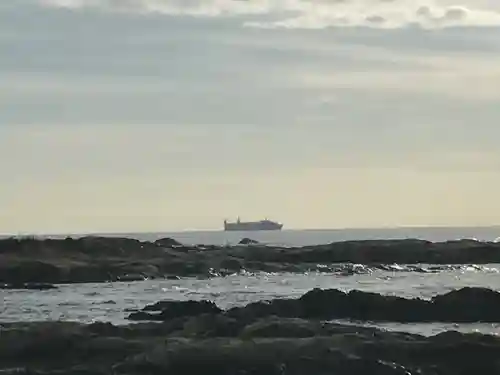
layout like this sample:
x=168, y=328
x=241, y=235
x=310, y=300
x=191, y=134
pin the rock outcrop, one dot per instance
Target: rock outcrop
x=166, y=310
x=28, y=286
x=248, y=241
x=101, y=259
x=267, y=347
x=278, y=337
x=466, y=305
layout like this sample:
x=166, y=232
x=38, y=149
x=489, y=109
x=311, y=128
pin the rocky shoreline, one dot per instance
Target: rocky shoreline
x=279, y=337
x=286, y=336
x=466, y=305
x=24, y=261
x=287, y=347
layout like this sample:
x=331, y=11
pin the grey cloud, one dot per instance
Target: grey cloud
x=376, y=19
x=456, y=13
x=452, y=14
x=307, y=14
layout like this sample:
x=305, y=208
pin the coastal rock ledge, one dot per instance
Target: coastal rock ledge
x=466, y=305
x=271, y=346
x=103, y=259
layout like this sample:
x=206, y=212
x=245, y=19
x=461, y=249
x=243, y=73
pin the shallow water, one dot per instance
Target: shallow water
x=108, y=302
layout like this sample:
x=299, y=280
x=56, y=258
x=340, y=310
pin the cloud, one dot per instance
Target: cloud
x=308, y=14
x=386, y=15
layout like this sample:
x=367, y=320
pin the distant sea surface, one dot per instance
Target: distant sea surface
x=314, y=237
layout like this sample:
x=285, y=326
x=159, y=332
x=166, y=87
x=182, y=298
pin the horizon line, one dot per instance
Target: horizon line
x=193, y=230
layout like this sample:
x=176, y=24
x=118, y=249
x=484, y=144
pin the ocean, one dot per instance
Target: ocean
x=318, y=236
x=111, y=301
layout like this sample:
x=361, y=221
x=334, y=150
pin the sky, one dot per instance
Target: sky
x=166, y=115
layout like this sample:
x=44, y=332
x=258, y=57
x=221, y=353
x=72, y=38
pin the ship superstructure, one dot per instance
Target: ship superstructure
x=239, y=225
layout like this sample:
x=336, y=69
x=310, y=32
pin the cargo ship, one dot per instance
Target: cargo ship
x=252, y=225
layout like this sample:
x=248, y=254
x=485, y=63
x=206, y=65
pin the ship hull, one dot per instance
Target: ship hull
x=251, y=227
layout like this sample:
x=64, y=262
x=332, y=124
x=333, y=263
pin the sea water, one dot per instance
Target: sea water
x=111, y=301
x=318, y=237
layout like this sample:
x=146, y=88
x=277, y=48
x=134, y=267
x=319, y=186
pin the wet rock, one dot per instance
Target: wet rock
x=352, y=269
x=142, y=315
x=131, y=277
x=231, y=264
x=270, y=347
x=172, y=277
x=212, y=325
x=167, y=242
x=464, y=305
x=23, y=271
x=28, y=286
x=166, y=310
x=103, y=259
x=248, y=241
x=468, y=305
x=281, y=327
x=354, y=354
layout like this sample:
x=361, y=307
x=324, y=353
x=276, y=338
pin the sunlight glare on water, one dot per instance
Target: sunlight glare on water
x=110, y=301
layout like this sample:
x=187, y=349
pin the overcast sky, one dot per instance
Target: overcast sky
x=156, y=115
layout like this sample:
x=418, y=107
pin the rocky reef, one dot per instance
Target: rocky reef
x=466, y=305
x=259, y=339
x=97, y=259
x=27, y=286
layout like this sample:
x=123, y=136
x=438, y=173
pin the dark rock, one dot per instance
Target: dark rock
x=167, y=242
x=142, y=315
x=131, y=277
x=464, y=305
x=270, y=347
x=231, y=264
x=212, y=325
x=29, y=286
x=175, y=309
x=172, y=277
x=468, y=305
x=29, y=271
x=281, y=327
x=103, y=259
x=248, y=241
